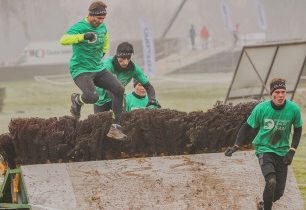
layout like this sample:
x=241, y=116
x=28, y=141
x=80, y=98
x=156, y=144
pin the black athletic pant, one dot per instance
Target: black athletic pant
x=103, y=79
x=275, y=173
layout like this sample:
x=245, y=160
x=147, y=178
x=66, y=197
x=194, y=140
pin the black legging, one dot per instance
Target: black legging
x=103, y=79
x=275, y=173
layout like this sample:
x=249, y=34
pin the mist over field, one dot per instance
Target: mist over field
x=26, y=21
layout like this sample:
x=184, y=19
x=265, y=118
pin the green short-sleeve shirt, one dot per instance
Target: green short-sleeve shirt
x=274, y=126
x=86, y=56
x=124, y=76
x=132, y=102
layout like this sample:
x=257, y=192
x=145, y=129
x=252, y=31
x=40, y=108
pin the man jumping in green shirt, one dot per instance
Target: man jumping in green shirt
x=275, y=119
x=125, y=70
x=90, y=41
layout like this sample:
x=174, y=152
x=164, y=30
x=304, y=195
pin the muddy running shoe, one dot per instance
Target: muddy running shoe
x=75, y=109
x=116, y=133
x=260, y=205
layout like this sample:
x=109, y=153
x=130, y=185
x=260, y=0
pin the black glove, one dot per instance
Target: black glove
x=230, y=150
x=154, y=103
x=288, y=157
x=90, y=36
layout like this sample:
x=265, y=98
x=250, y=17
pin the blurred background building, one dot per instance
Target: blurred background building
x=30, y=30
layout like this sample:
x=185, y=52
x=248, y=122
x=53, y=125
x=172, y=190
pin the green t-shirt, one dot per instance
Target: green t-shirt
x=124, y=76
x=133, y=102
x=274, y=126
x=87, y=57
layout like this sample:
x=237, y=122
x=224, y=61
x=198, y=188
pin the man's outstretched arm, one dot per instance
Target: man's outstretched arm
x=242, y=133
x=151, y=95
x=297, y=133
x=69, y=39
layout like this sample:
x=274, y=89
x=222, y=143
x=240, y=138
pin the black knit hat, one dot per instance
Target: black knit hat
x=124, y=50
x=277, y=83
x=97, y=8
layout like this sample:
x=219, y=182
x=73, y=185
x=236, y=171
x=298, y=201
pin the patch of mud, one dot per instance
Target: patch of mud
x=150, y=133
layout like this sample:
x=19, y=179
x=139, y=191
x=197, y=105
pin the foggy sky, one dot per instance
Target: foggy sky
x=25, y=21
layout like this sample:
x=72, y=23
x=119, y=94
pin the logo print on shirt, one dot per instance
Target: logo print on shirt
x=268, y=124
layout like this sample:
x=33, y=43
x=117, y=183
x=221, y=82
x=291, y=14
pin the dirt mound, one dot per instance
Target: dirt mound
x=150, y=133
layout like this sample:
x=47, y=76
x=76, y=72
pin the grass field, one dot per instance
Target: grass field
x=194, y=92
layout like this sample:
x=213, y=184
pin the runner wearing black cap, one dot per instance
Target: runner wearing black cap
x=125, y=70
x=275, y=119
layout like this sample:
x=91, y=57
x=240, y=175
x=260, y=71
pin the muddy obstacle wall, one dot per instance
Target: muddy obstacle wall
x=149, y=132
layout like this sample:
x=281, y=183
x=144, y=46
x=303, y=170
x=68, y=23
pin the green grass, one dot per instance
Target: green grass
x=181, y=92
x=40, y=99
x=299, y=167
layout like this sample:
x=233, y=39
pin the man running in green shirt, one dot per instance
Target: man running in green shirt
x=125, y=70
x=138, y=99
x=275, y=119
x=90, y=41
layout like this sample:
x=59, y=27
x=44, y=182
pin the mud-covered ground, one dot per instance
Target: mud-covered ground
x=150, y=133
